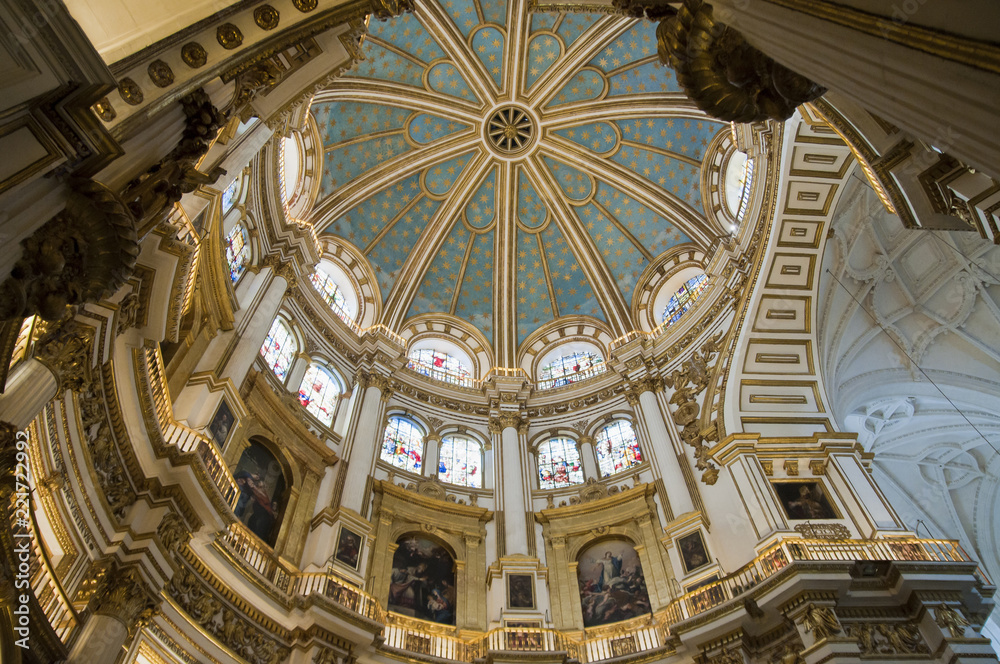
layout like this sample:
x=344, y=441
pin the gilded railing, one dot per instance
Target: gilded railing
x=257, y=555
x=530, y=639
x=572, y=378
x=778, y=556
x=184, y=438
x=408, y=634
x=620, y=640
x=340, y=592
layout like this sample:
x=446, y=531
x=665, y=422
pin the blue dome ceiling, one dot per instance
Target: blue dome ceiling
x=602, y=174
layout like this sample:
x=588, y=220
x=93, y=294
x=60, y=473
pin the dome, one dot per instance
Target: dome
x=511, y=169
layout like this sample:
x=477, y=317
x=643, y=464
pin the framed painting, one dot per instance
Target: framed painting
x=805, y=500
x=693, y=552
x=349, y=546
x=520, y=591
x=222, y=423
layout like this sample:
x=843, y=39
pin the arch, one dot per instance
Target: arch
x=263, y=479
x=559, y=463
x=611, y=581
x=460, y=461
x=655, y=279
x=336, y=289
x=279, y=348
x=422, y=584
x=458, y=332
x=403, y=444
x=233, y=194
x=678, y=295
x=319, y=392
x=562, y=330
x=617, y=448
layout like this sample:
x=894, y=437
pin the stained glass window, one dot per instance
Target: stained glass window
x=237, y=251
x=684, y=299
x=460, y=461
x=617, y=448
x=279, y=348
x=229, y=196
x=319, y=393
x=439, y=365
x=558, y=464
x=571, y=368
x=403, y=445
x=331, y=293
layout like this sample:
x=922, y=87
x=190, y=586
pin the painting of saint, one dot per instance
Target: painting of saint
x=693, y=553
x=262, y=486
x=221, y=424
x=520, y=591
x=804, y=500
x=422, y=584
x=348, y=548
x=612, y=586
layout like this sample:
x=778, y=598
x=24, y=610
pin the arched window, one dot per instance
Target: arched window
x=460, y=461
x=279, y=348
x=571, y=368
x=403, y=445
x=558, y=464
x=319, y=393
x=229, y=195
x=331, y=293
x=237, y=252
x=617, y=448
x=441, y=366
x=684, y=299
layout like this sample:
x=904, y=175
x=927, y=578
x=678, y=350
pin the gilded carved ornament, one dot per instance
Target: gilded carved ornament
x=173, y=532
x=229, y=36
x=383, y=10
x=824, y=531
x=266, y=17
x=723, y=74
x=130, y=91
x=123, y=595
x=887, y=638
x=160, y=73
x=194, y=55
x=820, y=621
x=948, y=618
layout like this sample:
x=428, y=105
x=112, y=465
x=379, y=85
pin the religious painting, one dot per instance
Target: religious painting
x=701, y=583
x=222, y=423
x=612, y=586
x=520, y=591
x=261, y=483
x=523, y=634
x=348, y=548
x=694, y=555
x=423, y=580
x=804, y=500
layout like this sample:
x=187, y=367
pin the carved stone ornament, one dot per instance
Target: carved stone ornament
x=130, y=91
x=105, y=110
x=251, y=81
x=123, y=595
x=592, y=490
x=432, y=488
x=383, y=10
x=151, y=196
x=266, y=17
x=231, y=628
x=173, y=532
x=100, y=443
x=824, y=531
x=887, y=638
x=821, y=621
x=193, y=54
x=84, y=253
x=723, y=74
x=948, y=618
x=305, y=6
x=229, y=36
x=160, y=73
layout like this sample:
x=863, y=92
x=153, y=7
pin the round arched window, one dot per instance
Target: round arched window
x=403, y=445
x=460, y=462
x=229, y=195
x=558, y=464
x=279, y=348
x=237, y=252
x=332, y=294
x=319, y=393
x=439, y=365
x=569, y=367
x=617, y=448
x=683, y=299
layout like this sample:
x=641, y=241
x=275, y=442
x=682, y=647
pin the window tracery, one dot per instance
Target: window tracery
x=440, y=366
x=684, y=299
x=459, y=462
x=319, y=393
x=403, y=445
x=279, y=348
x=331, y=294
x=559, y=464
x=571, y=368
x=237, y=252
x=617, y=448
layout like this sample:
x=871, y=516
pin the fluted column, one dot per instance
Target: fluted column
x=29, y=388
x=661, y=450
x=589, y=458
x=120, y=605
x=510, y=485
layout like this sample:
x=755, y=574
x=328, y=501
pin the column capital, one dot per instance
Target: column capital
x=124, y=596
x=65, y=349
x=508, y=421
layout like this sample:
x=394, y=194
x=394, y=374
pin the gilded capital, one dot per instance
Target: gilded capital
x=65, y=349
x=123, y=595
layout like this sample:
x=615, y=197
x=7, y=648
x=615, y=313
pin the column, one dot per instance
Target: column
x=120, y=604
x=432, y=454
x=363, y=439
x=510, y=486
x=253, y=333
x=29, y=388
x=589, y=458
x=297, y=371
x=664, y=455
x=340, y=419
